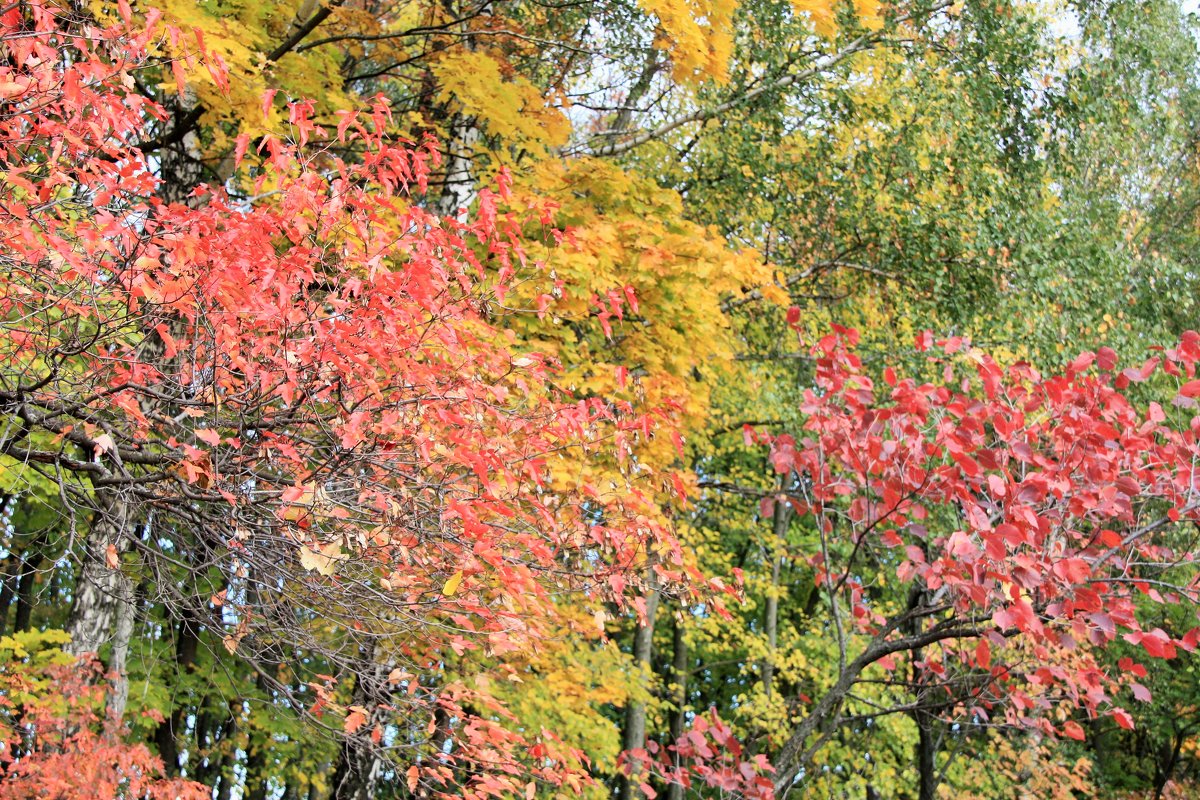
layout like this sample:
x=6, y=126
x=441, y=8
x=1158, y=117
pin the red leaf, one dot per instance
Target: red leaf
x=1072, y=730
x=983, y=654
x=209, y=437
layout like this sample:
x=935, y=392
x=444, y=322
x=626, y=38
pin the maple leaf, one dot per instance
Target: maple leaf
x=322, y=560
x=355, y=719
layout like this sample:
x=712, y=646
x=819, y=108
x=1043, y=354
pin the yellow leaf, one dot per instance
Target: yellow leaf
x=323, y=560
x=698, y=35
x=821, y=12
x=452, y=585
x=510, y=107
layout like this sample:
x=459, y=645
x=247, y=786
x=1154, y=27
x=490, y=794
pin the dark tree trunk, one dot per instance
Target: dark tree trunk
x=679, y=677
x=30, y=564
x=225, y=768
x=634, y=735
x=1165, y=768
x=926, y=756
x=927, y=739
x=187, y=648
x=9, y=577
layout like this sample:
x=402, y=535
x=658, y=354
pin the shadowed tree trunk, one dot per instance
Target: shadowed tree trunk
x=1165, y=767
x=187, y=648
x=359, y=768
x=634, y=736
x=31, y=561
x=9, y=576
x=679, y=679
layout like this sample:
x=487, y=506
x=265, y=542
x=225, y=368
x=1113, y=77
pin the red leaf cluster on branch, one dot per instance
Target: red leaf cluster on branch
x=1033, y=517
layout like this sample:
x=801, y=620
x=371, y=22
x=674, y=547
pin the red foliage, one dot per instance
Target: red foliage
x=58, y=746
x=1034, y=511
x=707, y=755
x=308, y=378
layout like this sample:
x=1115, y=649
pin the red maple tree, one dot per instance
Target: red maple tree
x=1031, y=519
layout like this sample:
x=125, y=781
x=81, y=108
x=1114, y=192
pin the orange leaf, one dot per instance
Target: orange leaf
x=209, y=437
x=414, y=776
x=355, y=719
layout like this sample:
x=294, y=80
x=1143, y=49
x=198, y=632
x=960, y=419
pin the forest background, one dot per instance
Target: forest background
x=540, y=398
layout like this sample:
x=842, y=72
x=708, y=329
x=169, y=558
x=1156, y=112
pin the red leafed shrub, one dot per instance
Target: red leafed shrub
x=55, y=741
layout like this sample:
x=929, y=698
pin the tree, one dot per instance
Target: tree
x=392, y=392
x=288, y=424
x=1027, y=518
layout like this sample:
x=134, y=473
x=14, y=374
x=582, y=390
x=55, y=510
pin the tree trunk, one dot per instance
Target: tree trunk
x=779, y=526
x=458, y=191
x=9, y=577
x=1164, y=771
x=926, y=756
x=118, y=691
x=226, y=767
x=679, y=677
x=166, y=735
x=927, y=744
x=30, y=562
x=634, y=736
x=359, y=767
x=181, y=165
x=102, y=610
x=636, y=92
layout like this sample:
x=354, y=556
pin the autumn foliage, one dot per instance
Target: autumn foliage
x=1026, y=512
x=58, y=742
x=364, y=432
x=308, y=385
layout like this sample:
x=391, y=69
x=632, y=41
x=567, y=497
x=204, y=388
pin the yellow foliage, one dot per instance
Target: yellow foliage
x=698, y=35
x=508, y=105
x=627, y=237
x=563, y=683
x=823, y=14
x=1024, y=769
